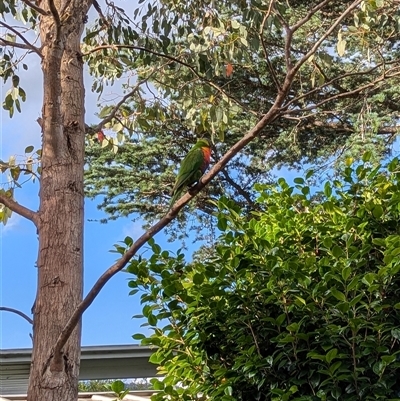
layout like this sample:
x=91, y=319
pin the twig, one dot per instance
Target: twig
x=17, y=312
x=301, y=22
x=288, y=40
x=19, y=209
x=29, y=46
x=238, y=188
x=4, y=42
x=35, y=7
x=98, y=9
x=261, y=33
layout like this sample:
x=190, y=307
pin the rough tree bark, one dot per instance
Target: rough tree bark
x=60, y=222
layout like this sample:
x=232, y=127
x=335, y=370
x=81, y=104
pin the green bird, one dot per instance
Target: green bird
x=192, y=168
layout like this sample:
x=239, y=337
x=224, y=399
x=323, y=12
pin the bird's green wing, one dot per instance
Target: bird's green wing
x=190, y=170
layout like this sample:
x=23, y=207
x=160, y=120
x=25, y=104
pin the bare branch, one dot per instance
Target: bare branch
x=17, y=312
x=27, y=46
x=4, y=42
x=98, y=9
x=19, y=209
x=338, y=78
x=343, y=94
x=56, y=17
x=35, y=7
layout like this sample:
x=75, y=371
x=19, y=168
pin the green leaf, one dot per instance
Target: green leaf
x=152, y=319
x=118, y=386
x=222, y=223
x=346, y=273
x=377, y=211
x=198, y=278
x=15, y=81
x=396, y=334
x=138, y=336
x=299, y=180
x=331, y=355
x=337, y=252
x=328, y=189
x=338, y=295
x=29, y=149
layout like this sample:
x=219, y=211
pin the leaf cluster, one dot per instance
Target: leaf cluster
x=300, y=301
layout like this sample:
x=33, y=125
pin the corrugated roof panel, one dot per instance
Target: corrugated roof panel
x=97, y=362
x=141, y=395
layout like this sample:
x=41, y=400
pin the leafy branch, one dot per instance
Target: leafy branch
x=27, y=45
x=178, y=61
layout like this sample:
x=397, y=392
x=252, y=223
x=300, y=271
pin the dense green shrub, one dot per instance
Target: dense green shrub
x=299, y=302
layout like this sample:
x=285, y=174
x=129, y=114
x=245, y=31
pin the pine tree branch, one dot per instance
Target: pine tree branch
x=17, y=312
x=27, y=46
x=19, y=209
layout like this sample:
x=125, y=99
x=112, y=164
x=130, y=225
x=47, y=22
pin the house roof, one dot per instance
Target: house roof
x=97, y=362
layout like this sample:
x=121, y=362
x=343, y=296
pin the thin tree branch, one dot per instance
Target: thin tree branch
x=29, y=46
x=56, y=17
x=98, y=9
x=35, y=7
x=344, y=94
x=326, y=34
x=268, y=118
x=17, y=312
x=261, y=33
x=288, y=40
x=340, y=77
x=4, y=42
x=301, y=22
x=19, y=209
x=238, y=188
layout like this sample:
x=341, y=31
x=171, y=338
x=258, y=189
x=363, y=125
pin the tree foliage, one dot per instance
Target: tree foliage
x=213, y=69
x=299, y=302
x=269, y=81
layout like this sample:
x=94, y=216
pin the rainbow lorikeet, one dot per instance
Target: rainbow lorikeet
x=192, y=168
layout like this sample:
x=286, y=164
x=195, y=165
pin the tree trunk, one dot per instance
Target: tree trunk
x=60, y=228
